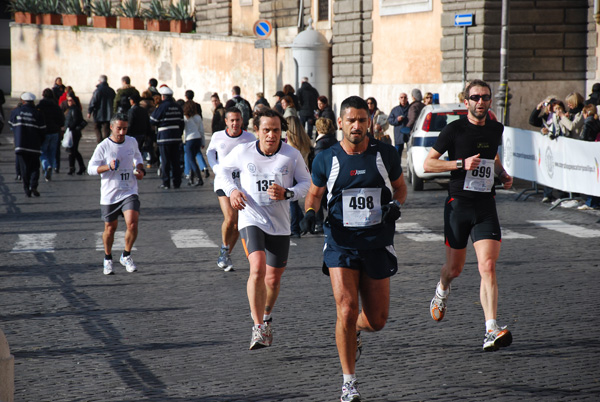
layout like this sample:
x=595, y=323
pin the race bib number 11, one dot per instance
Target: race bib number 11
x=481, y=179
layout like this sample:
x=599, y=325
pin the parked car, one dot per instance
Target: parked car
x=431, y=121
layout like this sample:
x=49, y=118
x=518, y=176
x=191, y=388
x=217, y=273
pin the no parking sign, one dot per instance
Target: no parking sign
x=263, y=29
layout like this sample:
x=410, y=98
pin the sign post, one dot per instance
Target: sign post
x=464, y=20
x=262, y=30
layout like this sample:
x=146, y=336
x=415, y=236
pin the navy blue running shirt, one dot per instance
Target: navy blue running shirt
x=358, y=185
x=462, y=139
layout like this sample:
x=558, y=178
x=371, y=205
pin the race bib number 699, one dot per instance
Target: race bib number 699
x=481, y=179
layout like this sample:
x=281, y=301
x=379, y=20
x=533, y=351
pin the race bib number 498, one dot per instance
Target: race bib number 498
x=361, y=207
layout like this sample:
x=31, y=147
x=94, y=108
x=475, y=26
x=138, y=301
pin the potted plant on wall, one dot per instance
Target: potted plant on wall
x=156, y=14
x=73, y=14
x=50, y=10
x=104, y=16
x=181, y=17
x=24, y=10
x=130, y=17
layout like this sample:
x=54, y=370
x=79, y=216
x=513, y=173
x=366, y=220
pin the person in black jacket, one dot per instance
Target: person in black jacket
x=139, y=121
x=307, y=95
x=324, y=110
x=28, y=126
x=218, y=120
x=54, y=119
x=325, y=139
x=74, y=122
x=100, y=108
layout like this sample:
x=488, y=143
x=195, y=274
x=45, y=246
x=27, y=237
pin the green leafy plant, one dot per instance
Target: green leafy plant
x=130, y=8
x=155, y=11
x=102, y=8
x=181, y=11
x=72, y=7
x=24, y=6
x=49, y=6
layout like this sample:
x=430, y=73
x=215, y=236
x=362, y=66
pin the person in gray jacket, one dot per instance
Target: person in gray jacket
x=398, y=118
x=100, y=108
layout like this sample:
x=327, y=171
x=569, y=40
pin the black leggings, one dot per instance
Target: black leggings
x=74, y=153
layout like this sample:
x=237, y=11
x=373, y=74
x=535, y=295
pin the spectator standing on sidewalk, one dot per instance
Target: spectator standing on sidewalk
x=55, y=120
x=398, y=118
x=307, y=96
x=100, y=108
x=138, y=122
x=121, y=102
x=28, y=126
x=218, y=119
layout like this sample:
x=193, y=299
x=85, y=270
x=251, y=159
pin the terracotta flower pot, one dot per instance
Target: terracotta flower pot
x=158, y=25
x=20, y=17
x=104, y=22
x=51, y=19
x=75, y=20
x=38, y=19
x=25, y=18
x=179, y=26
x=131, y=23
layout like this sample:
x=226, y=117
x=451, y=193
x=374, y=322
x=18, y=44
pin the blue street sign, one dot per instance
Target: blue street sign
x=463, y=20
x=262, y=29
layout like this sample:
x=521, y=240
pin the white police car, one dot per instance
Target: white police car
x=431, y=121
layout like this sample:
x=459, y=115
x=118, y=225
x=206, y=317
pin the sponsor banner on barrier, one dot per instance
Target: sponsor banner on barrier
x=564, y=163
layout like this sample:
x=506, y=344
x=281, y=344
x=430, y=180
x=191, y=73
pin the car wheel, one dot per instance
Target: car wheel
x=417, y=182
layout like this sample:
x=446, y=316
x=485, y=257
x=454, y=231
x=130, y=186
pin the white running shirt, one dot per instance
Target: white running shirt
x=257, y=172
x=120, y=183
x=220, y=146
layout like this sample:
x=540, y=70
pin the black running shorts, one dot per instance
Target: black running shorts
x=379, y=263
x=464, y=217
x=111, y=212
x=276, y=248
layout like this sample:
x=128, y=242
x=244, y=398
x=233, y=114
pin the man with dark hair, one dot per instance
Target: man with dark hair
x=470, y=209
x=270, y=174
x=221, y=143
x=101, y=108
x=139, y=121
x=28, y=126
x=242, y=104
x=279, y=95
x=120, y=164
x=168, y=119
x=152, y=84
x=54, y=119
x=366, y=190
x=398, y=118
x=189, y=96
x=121, y=102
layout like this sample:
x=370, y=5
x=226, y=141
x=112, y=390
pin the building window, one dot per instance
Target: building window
x=394, y=7
x=323, y=9
x=245, y=2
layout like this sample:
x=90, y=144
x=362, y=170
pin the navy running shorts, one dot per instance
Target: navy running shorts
x=379, y=263
x=464, y=217
x=276, y=248
x=112, y=212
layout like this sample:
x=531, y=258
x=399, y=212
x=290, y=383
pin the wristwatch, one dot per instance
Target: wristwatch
x=288, y=194
x=397, y=203
x=459, y=163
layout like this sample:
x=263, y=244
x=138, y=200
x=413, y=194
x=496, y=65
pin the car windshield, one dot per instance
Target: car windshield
x=440, y=120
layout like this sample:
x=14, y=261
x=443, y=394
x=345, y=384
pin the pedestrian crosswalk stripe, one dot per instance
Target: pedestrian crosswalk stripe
x=35, y=243
x=118, y=244
x=509, y=234
x=566, y=228
x=191, y=238
x=416, y=232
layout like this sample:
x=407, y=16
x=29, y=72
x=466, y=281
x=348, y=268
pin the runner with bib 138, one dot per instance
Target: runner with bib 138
x=470, y=209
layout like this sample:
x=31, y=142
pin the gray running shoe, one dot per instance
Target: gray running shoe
x=358, y=345
x=437, y=308
x=350, y=392
x=268, y=332
x=259, y=337
x=496, y=339
x=228, y=264
x=223, y=255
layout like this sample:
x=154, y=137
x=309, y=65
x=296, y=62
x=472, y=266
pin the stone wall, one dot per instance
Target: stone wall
x=352, y=42
x=213, y=17
x=283, y=13
x=548, y=40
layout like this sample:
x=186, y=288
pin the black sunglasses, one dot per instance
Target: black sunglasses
x=475, y=98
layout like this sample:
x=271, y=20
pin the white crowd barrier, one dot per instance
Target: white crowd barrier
x=564, y=163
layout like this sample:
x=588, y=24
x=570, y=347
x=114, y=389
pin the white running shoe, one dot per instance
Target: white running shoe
x=127, y=262
x=496, y=339
x=108, y=269
x=350, y=392
x=259, y=337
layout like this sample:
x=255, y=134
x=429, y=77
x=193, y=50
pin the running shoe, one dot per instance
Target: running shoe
x=259, y=337
x=350, y=392
x=358, y=345
x=437, y=308
x=222, y=260
x=127, y=262
x=228, y=264
x=496, y=339
x=268, y=332
x=108, y=267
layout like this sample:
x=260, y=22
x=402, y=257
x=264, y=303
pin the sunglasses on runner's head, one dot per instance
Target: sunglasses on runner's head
x=475, y=98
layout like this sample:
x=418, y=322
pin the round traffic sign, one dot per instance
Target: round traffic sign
x=263, y=28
